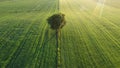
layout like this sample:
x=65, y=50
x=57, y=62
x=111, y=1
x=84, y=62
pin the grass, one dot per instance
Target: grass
x=90, y=39
x=24, y=34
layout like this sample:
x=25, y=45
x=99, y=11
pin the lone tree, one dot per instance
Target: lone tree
x=57, y=21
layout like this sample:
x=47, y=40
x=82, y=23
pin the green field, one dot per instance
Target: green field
x=90, y=39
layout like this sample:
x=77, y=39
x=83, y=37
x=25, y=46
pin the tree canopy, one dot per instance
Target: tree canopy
x=57, y=21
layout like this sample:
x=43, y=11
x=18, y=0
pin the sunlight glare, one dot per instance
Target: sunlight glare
x=99, y=8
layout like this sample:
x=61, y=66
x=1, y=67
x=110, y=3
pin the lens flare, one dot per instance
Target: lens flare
x=98, y=11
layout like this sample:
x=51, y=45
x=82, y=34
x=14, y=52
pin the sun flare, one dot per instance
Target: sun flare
x=99, y=8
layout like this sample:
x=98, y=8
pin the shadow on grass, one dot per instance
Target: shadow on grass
x=47, y=38
x=47, y=49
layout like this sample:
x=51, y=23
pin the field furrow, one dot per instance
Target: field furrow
x=95, y=39
x=90, y=38
x=25, y=42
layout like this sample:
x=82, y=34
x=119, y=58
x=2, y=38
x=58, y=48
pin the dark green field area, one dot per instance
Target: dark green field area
x=90, y=39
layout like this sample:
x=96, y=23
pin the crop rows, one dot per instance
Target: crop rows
x=24, y=34
x=90, y=39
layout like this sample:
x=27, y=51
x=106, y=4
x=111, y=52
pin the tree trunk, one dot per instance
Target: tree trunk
x=58, y=47
x=57, y=37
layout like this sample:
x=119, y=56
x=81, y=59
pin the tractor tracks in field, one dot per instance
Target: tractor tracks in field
x=105, y=35
x=99, y=40
x=20, y=45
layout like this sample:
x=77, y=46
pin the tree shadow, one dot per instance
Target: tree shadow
x=47, y=39
x=44, y=49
